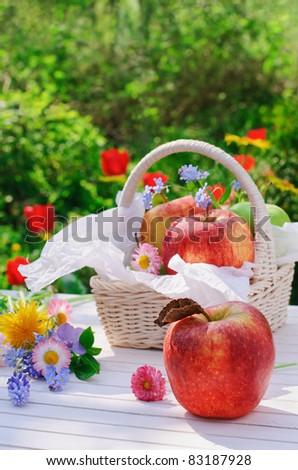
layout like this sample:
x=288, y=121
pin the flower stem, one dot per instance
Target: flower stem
x=10, y=303
x=164, y=196
x=81, y=298
x=289, y=364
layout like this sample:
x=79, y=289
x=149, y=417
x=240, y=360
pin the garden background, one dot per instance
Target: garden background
x=82, y=76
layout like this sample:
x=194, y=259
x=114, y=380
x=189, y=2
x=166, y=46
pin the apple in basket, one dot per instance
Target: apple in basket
x=159, y=218
x=221, y=238
x=219, y=360
x=277, y=215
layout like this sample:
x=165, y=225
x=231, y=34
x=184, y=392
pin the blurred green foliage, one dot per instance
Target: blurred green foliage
x=78, y=75
x=50, y=154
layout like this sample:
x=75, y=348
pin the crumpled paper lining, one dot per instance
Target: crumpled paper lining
x=204, y=283
x=286, y=243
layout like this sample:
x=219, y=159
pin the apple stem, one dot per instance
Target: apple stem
x=203, y=312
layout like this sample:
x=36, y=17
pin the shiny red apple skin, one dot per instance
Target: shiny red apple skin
x=225, y=241
x=222, y=368
x=158, y=219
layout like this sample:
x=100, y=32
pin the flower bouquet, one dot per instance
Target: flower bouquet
x=139, y=269
x=38, y=342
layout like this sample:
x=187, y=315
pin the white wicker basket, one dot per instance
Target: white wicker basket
x=128, y=311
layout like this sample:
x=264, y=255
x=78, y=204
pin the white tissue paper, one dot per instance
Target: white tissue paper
x=98, y=240
x=91, y=242
x=286, y=243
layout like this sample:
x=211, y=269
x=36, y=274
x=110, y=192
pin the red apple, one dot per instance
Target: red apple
x=219, y=363
x=159, y=218
x=221, y=239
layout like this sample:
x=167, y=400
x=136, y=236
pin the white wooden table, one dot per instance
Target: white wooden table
x=104, y=414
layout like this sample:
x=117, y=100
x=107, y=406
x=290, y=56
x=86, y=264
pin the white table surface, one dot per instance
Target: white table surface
x=104, y=414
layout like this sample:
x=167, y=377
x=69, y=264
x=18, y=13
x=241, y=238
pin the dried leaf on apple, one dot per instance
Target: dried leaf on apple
x=177, y=309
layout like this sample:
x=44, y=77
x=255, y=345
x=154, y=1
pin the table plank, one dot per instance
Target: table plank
x=103, y=413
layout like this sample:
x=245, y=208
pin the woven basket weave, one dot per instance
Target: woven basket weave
x=128, y=311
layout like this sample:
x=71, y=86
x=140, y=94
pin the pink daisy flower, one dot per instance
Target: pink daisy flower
x=146, y=258
x=50, y=352
x=148, y=384
x=60, y=309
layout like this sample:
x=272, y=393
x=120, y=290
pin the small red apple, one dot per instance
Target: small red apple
x=159, y=218
x=219, y=360
x=222, y=239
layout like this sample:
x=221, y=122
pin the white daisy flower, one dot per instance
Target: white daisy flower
x=50, y=352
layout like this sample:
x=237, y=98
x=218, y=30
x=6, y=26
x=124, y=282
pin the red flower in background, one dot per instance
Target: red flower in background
x=114, y=162
x=247, y=161
x=14, y=277
x=260, y=133
x=40, y=218
x=217, y=190
x=148, y=178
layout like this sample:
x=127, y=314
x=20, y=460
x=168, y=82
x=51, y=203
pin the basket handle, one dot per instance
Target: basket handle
x=264, y=248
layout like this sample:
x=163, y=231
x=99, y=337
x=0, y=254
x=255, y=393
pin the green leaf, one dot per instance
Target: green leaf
x=84, y=366
x=3, y=304
x=89, y=360
x=87, y=367
x=159, y=199
x=94, y=351
x=226, y=194
x=87, y=338
x=84, y=372
x=215, y=204
x=74, y=362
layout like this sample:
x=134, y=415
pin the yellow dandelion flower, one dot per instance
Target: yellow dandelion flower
x=18, y=327
x=283, y=185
